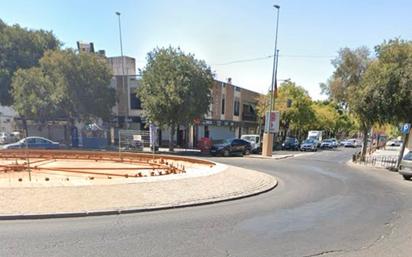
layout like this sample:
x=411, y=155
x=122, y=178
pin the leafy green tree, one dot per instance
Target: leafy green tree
x=83, y=82
x=391, y=76
x=300, y=116
x=20, y=48
x=350, y=65
x=34, y=95
x=65, y=85
x=349, y=88
x=175, y=88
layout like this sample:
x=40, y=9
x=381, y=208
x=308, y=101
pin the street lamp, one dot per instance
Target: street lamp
x=275, y=57
x=126, y=89
x=268, y=137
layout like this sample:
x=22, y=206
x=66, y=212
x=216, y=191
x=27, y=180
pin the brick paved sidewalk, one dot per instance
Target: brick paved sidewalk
x=231, y=183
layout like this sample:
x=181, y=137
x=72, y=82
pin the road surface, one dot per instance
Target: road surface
x=321, y=207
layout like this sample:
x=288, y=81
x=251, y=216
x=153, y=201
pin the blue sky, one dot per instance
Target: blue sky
x=222, y=31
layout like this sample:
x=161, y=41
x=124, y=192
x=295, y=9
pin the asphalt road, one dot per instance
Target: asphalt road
x=321, y=207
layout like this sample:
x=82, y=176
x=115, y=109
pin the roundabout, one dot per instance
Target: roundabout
x=50, y=183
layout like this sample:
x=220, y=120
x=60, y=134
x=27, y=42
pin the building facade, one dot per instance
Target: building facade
x=232, y=113
x=7, y=119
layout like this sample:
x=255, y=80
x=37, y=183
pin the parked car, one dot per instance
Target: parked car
x=327, y=144
x=227, y=147
x=348, y=143
x=254, y=140
x=334, y=142
x=405, y=168
x=290, y=143
x=309, y=145
x=33, y=142
x=394, y=142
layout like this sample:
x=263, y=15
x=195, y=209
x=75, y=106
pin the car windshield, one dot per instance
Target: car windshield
x=290, y=139
x=408, y=156
x=249, y=138
x=308, y=141
x=327, y=141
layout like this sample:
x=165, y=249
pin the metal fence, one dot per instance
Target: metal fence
x=387, y=162
x=133, y=139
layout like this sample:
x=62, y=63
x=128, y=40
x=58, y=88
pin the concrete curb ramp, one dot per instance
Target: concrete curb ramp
x=60, y=202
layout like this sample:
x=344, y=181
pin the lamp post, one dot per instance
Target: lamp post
x=126, y=89
x=268, y=137
x=275, y=56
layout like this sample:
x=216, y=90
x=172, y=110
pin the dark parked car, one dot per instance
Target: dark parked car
x=227, y=147
x=33, y=142
x=405, y=169
x=290, y=143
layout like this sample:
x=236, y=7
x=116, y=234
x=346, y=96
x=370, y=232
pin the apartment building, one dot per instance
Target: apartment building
x=127, y=112
x=232, y=113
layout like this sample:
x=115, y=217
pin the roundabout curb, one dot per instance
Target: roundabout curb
x=130, y=211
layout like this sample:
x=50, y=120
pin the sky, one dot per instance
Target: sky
x=235, y=37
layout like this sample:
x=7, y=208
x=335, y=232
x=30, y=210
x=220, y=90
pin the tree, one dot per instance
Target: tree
x=296, y=118
x=83, y=82
x=175, y=88
x=348, y=87
x=34, y=95
x=393, y=81
x=350, y=65
x=20, y=48
x=65, y=85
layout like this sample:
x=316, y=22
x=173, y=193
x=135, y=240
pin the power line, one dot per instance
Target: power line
x=246, y=60
x=271, y=56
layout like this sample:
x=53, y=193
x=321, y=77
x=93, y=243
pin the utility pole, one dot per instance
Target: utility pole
x=267, y=148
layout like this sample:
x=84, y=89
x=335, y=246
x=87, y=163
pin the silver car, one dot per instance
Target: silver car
x=405, y=169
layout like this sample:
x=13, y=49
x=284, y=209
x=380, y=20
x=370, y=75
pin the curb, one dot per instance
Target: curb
x=272, y=158
x=132, y=210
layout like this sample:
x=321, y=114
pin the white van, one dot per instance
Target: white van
x=254, y=140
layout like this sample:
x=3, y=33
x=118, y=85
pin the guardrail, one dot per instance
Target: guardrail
x=388, y=162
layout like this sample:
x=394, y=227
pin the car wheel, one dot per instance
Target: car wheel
x=247, y=152
x=407, y=177
x=226, y=153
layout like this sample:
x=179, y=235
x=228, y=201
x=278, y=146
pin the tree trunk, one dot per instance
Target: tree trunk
x=365, y=143
x=25, y=129
x=171, y=136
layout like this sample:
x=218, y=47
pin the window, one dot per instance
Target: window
x=223, y=104
x=135, y=102
x=236, y=108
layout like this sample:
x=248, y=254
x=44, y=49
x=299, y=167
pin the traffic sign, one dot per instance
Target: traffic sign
x=406, y=128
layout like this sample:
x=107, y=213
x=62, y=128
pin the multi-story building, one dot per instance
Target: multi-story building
x=232, y=113
x=127, y=108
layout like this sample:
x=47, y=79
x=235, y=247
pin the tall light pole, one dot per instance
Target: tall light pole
x=275, y=56
x=126, y=90
x=268, y=137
